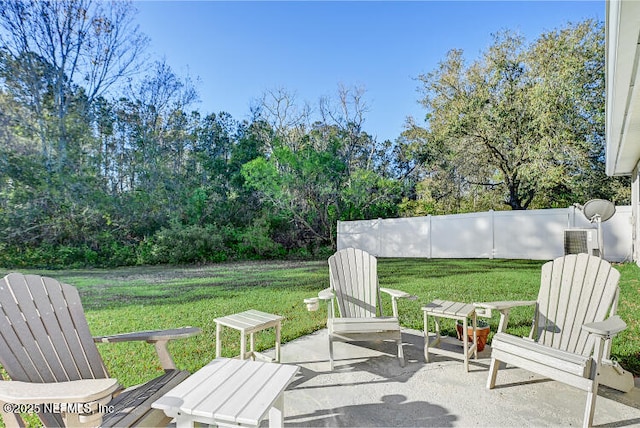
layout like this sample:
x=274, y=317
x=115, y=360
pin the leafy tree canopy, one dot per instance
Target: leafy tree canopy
x=523, y=125
x=104, y=162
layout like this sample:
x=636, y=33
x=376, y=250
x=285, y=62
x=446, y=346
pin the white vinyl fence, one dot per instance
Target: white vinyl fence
x=532, y=234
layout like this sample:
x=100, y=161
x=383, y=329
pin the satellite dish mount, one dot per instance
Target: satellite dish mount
x=598, y=211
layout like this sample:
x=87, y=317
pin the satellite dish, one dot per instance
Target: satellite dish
x=598, y=209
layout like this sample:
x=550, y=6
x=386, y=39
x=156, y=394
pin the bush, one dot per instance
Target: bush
x=184, y=244
x=48, y=256
x=256, y=242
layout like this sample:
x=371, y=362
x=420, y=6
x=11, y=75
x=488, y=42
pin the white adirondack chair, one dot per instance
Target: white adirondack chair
x=574, y=323
x=353, y=280
x=56, y=371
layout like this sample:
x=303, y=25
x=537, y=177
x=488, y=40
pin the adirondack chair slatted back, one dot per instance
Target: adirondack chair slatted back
x=44, y=335
x=353, y=277
x=575, y=290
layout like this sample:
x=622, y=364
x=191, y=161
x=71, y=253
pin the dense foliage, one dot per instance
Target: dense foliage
x=102, y=163
x=523, y=125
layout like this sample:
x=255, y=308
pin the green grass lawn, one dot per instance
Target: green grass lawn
x=143, y=298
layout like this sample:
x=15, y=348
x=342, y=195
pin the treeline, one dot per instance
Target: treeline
x=104, y=160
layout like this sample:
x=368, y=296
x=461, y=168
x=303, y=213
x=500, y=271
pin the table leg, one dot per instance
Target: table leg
x=426, y=338
x=252, y=346
x=184, y=422
x=278, y=334
x=475, y=335
x=243, y=345
x=436, y=322
x=276, y=413
x=465, y=343
x=218, y=340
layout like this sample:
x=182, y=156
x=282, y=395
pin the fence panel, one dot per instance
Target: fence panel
x=532, y=234
x=618, y=235
x=461, y=236
x=361, y=234
x=407, y=236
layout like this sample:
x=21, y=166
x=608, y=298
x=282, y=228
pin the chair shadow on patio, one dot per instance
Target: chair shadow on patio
x=392, y=410
x=362, y=390
x=375, y=358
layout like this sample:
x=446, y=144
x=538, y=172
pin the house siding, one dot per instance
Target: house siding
x=635, y=208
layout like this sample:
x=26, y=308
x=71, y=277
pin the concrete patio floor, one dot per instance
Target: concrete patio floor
x=368, y=388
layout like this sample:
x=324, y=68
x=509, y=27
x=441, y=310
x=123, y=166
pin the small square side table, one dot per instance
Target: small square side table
x=230, y=393
x=249, y=322
x=456, y=311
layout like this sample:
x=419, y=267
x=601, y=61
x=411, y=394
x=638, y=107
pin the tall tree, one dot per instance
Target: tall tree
x=58, y=47
x=154, y=140
x=520, y=121
x=317, y=174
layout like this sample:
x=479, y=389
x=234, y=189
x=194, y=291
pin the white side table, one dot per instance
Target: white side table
x=249, y=322
x=230, y=392
x=452, y=310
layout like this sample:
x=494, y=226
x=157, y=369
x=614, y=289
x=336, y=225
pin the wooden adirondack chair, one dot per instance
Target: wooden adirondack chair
x=353, y=280
x=54, y=365
x=573, y=326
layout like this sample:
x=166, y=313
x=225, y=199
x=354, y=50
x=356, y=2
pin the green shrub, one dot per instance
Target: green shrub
x=185, y=244
x=144, y=252
x=256, y=242
x=102, y=249
x=48, y=256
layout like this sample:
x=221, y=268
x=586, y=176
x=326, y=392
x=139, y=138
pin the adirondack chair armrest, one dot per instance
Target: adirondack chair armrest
x=395, y=295
x=54, y=393
x=484, y=309
x=149, y=336
x=501, y=306
x=607, y=328
x=504, y=305
x=326, y=294
x=159, y=338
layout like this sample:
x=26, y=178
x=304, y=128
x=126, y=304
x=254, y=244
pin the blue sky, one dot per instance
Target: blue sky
x=241, y=49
